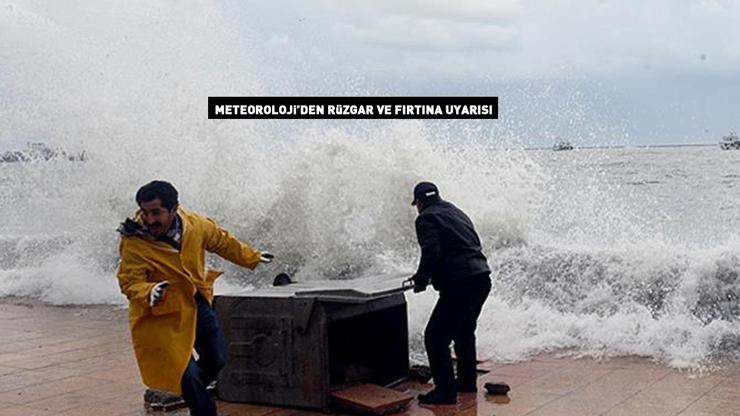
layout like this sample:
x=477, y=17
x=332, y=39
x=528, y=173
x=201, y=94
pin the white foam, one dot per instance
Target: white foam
x=583, y=257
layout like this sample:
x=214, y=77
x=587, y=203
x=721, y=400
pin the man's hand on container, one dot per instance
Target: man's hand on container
x=157, y=293
x=419, y=286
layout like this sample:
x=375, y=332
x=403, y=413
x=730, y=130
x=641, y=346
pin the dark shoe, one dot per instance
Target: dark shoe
x=158, y=400
x=437, y=397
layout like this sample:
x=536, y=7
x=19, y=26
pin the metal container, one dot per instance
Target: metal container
x=293, y=345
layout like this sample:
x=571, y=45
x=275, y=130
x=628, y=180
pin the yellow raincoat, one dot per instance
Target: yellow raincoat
x=163, y=336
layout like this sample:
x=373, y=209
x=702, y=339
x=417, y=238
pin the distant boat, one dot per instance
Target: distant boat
x=731, y=141
x=39, y=151
x=562, y=145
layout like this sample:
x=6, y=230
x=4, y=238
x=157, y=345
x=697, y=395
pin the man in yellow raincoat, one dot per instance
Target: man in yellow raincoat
x=162, y=273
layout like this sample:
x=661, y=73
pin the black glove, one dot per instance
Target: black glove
x=266, y=257
x=419, y=284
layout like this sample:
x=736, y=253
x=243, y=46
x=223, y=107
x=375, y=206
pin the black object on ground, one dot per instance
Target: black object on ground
x=420, y=373
x=497, y=388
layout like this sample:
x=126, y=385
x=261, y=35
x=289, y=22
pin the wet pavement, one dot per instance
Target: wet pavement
x=79, y=361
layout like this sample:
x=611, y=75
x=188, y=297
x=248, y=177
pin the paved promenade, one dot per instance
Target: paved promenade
x=79, y=361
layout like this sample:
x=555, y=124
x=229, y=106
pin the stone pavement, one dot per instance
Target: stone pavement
x=79, y=361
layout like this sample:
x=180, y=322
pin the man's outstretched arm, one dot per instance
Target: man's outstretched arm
x=223, y=243
x=426, y=231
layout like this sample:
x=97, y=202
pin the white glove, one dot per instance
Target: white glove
x=266, y=257
x=157, y=293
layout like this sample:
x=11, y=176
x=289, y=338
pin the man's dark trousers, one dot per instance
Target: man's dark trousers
x=454, y=318
x=211, y=349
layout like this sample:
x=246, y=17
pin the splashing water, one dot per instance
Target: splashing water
x=603, y=252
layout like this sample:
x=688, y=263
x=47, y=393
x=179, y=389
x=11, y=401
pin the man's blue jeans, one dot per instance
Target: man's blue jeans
x=211, y=349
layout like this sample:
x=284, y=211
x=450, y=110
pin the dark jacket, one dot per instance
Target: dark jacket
x=450, y=247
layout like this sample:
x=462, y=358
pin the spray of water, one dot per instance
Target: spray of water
x=576, y=266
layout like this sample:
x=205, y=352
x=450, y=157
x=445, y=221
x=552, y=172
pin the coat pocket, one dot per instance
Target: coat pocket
x=169, y=304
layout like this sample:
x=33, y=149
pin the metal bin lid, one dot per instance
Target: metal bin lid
x=358, y=290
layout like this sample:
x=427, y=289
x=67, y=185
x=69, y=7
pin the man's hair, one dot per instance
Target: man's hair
x=164, y=191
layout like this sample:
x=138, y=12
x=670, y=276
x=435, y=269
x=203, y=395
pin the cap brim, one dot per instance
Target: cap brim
x=413, y=202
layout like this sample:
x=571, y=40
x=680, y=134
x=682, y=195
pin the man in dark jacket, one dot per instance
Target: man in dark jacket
x=452, y=260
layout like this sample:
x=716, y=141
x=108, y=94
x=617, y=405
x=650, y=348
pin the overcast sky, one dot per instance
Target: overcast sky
x=639, y=71
x=593, y=72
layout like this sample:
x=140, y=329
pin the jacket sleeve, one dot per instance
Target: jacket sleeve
x=223, y=243
x=428, y=236
x=132, y=275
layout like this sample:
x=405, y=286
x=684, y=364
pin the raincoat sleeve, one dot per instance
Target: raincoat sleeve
x=223, y=243
x=428, y=236
x=132, y=275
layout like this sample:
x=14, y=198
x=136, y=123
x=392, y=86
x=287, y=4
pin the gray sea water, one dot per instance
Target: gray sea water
x=595, y=251
x=684, y=195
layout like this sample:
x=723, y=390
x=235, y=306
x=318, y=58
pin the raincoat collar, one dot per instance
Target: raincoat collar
x=173, y=236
